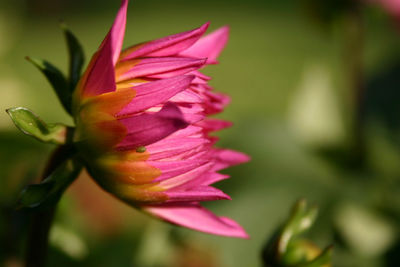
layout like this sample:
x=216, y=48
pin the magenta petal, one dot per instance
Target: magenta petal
x=206, y=178
x=146, y=129
x=171, y=169
x=100, y=73
x=211, y=125
x=209, y=46
x=227, y=157
x=162, y=67
x=186, y=96
x=167, y=46
x=170, y=147
x=193, y=216
x=154, y=93
x=195, y=194
x=179, y=182
x=190, y=131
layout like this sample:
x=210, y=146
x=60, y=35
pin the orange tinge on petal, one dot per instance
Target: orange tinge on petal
x=135, y=172
x=130, y=177
x=122, y=67
x=110, y=103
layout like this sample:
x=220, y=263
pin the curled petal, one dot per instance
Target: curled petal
x=199, y=193
x=192, y=215
x=146, y=129
x=155, y=93
x=206, y=178
x=159, y=67
x=209, y=46
x=167, y=46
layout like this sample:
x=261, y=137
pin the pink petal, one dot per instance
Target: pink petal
x=171, y=147
x=171, y=169
x=209, y=46
x=193, y=216
x=227, y=157
x=193, y=118
x=201, y=75
x=99, y=77
x=167, y=46
x=190, y=131
x=154, y=93
x=199, y=193
x=211, y=125
x=179, y=182
x=186, y=96
x=161, y=67
x=207, y=178
x=146, y=129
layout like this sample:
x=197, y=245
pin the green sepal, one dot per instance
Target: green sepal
x=76, y=57
x=30, y=124
x=49, y=191
x=301, y=219
x=57, y=81
x=285, y=249
x=323, y=259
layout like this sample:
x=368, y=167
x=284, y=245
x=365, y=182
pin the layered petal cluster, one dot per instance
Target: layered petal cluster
x=143, y=127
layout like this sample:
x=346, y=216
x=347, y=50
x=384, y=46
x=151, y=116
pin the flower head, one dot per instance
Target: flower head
x=142, y=126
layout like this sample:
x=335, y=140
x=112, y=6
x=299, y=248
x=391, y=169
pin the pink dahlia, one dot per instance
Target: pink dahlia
x=142, y=126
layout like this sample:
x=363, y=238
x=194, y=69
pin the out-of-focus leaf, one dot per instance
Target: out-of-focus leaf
x=326, y=12
x=284, y=249
x=364, y=231
x=30, y=124
x=56, y=79
x=68, y=241
x=76, y=57
x=314, y=113
x=50, y=190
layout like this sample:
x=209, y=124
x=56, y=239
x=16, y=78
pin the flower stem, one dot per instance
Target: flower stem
x=41, y=221
x=354, y=61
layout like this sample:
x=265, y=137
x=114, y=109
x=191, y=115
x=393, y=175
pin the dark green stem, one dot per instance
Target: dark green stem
x=41, y=221
x=354, y=61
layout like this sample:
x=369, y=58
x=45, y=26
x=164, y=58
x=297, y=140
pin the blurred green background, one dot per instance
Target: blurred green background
x=292, y=69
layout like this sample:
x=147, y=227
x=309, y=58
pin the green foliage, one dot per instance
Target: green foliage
x=30, y=124
x=62, y=86
x=50, y=189
x=56, y=79
x=284, y=249
x=76, y=57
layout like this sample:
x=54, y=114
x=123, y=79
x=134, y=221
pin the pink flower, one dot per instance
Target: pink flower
x=142, y=125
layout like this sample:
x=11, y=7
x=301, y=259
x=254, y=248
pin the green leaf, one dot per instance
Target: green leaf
x=31, y=124
x=56, y=79
x=76, y=57
x=50, y=190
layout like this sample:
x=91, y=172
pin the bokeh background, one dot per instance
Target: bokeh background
x=315, y=103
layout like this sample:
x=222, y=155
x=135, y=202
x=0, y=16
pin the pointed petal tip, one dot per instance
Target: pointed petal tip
x=193, y=216
x=205, y=26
